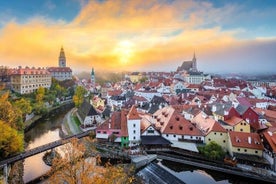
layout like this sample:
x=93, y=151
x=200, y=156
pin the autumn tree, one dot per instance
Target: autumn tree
x=11, y=141
x=75, y=168
x=9, y=113
x=40, y=93
x=24, y=105
x=79, y=96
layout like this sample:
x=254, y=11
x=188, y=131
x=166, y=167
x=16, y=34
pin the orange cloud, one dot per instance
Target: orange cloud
x=117, y=35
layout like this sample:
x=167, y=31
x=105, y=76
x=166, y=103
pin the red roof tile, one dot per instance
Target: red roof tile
x=246, y=140
x=133, y=114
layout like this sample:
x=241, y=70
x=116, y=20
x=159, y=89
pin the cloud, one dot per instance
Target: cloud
x=124, y=35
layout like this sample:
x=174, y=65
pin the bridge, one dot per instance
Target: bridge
x=40, y=149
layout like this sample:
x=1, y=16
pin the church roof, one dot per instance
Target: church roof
x=186, y=65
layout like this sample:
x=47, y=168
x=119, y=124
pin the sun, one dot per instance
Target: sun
x=124, y=50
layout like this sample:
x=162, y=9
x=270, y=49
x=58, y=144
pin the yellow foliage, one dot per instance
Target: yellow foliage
x=11, y=141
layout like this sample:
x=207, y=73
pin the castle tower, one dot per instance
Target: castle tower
x=194, y=67
x=62, y=58
x=92, y=77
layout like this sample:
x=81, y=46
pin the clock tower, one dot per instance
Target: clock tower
x=62, y=58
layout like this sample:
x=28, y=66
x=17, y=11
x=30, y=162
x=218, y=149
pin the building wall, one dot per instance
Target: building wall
x=247, y=151
x=61, y=76
x=243, y=126
x=124, y=141
x=150, y=131
x=134, y=129
x=219, y=137
x=26, y=83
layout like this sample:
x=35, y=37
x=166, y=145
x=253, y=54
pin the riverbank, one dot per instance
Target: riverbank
x=31, y=122
x=69, y=124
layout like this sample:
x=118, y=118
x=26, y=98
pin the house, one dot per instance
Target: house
x=269, y=142
x=235, y=124
x=174, y=127
x=114, y=129
x=250, y=116
x=151, y=138
x=88, y=116
x=246, y=147
x=133, y=127
x=211, y=129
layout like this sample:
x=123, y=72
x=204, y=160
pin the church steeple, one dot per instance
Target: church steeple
x=194, y=67
x=62, y=58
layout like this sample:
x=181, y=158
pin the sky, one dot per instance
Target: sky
x=136, y=35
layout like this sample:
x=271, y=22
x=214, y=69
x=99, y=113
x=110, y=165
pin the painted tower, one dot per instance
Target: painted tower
x=93, y=77
x=62, y=58
x=134, y=127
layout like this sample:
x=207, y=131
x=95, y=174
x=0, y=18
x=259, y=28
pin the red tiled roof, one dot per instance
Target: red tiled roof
x=133, y=114
x=246, y=140
x=271, y=140
x=59, y=69
x=29, y=71
x=233, y=121
x=124, y=131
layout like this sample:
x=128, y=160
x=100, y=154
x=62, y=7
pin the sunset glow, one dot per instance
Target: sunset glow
x=139, y=35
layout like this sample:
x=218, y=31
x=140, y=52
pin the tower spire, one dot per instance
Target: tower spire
x=62, y=58
x=194, y=63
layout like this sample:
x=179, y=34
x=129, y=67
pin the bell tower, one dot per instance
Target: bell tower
x=62, y=58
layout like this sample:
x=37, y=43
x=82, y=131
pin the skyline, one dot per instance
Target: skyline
x=230, y=37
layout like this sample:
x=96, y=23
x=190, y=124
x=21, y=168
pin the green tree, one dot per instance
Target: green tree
x=11, y=141
x=24, y=105
x=79, y=96
x=212, y=151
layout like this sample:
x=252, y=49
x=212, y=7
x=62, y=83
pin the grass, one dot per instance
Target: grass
x=76, y=120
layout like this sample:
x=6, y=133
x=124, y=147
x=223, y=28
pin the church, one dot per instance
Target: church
x=188, y=66
x=61, y=72
x=190, y=73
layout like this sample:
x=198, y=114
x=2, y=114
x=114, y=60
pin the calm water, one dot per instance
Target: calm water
x=43, y=132
x=194, y=175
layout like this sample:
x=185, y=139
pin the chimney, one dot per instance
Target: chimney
x=249, y=140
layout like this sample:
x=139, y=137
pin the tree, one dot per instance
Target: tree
x=79, y=96
x=9, y=113
x=24, y=105
x=40, y=93
x=11, y=141
x=75, y=168
x=212, y=151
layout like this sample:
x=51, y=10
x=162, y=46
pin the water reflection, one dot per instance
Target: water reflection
x=45, y=131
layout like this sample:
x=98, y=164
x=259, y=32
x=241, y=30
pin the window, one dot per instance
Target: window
x=256, y=151
x=221, y=134
x=104, y=132
x=134, y=131
x=223, y=141
x=209, y=139
x=239, y=149
x=134, y=125
x=98, y=132
x=245, y=150
x=174, y=135
x=241, y=130
x=134, y=137
x=215, y=133
x=167, y=135
x=150, y=131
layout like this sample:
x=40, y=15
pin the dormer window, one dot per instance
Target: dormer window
x=171, y=127
x=180, y=127
x=177, y=118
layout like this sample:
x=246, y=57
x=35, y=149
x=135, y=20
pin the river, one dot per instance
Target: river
x=44, y=131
